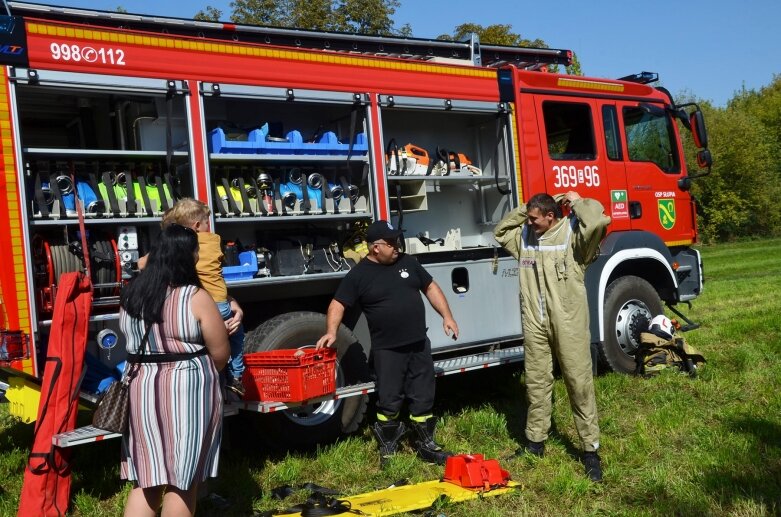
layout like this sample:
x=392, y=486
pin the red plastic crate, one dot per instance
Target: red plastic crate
x=283, y=376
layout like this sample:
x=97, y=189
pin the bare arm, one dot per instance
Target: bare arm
x=215, y=336
x=332, y=320
x=437, y=300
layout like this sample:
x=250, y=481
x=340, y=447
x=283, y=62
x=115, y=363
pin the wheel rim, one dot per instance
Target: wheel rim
x=311, y=415
x=631, y=320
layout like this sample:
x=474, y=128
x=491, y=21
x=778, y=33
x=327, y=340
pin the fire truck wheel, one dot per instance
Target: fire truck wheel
x=630, y=304
x=316, y=423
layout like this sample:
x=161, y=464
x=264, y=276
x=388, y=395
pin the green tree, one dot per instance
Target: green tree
x=740, y=196
x=497, y=34
x=765, y=106
x=209, y=14
x=502, y=34
x=358, y=16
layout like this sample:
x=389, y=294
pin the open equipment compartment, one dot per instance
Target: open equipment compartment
x=289, y=177
x=449, y=211
x=461, y=203
x=120, y=146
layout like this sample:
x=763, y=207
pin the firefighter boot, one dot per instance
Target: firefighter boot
x=533, y=448
x=593, y=466
x=425, y=446
x=388, y=434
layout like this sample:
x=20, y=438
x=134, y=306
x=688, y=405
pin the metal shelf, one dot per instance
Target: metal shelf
x=111, y=153
x=312, y=277
x=446, y=179
x=292, y=218
x=96, y=220
x=312, y=158
x=92, y=319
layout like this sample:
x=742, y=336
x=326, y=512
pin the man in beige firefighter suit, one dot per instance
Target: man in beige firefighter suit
x=553, y=253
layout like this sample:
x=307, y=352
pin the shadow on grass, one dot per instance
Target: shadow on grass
x=96, y=469
x=727, y=487
x=756, y=478
x=457, y=393
x=15, y=434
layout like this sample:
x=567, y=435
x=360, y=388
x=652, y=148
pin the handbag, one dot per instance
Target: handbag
x=113, y=411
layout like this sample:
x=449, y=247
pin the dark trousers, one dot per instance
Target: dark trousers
x=405, y=372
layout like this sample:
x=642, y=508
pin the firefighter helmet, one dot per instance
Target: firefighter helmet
x=662, y=327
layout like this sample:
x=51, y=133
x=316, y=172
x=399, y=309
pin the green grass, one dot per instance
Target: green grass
x=670, y=445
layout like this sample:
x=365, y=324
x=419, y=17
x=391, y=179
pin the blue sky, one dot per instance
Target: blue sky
x=709, y=48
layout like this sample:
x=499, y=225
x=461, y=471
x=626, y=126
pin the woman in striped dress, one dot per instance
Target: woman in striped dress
x=175, y=400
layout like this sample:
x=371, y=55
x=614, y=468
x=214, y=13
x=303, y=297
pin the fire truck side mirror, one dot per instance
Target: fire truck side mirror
x=704, y=159
x=699, y=132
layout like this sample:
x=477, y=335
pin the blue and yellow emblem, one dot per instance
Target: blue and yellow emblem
x=666, y=213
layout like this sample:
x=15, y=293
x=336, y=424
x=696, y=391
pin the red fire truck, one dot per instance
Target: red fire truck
x=297, y=140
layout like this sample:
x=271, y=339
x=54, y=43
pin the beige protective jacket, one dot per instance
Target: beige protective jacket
x=555, y=311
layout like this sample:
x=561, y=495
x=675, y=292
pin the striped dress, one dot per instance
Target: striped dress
x=175, y=408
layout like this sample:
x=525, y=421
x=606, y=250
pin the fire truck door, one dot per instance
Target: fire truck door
x=653, y=166
x=569, y=142
x=617, y=206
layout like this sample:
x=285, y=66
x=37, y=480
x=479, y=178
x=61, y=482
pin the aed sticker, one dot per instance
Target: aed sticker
x=666, y=213
x=527, y=262
x=619, y=204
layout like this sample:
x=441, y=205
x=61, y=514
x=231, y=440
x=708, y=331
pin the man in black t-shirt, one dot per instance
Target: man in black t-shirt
x=387, y=286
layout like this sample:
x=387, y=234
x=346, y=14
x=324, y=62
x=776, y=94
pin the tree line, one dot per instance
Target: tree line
x=739, y=198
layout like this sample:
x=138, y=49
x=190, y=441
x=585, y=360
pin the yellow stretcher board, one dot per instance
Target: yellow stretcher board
x=23, y=398
x=407, y=498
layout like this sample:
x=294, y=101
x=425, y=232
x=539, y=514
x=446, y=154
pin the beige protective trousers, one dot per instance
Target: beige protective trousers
x=555, y=312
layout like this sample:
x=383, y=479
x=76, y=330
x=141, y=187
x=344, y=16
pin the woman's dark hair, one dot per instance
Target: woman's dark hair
x=171, y=263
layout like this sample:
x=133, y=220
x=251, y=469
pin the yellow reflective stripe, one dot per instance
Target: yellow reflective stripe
x=420, y=419
x=516, y=152
x=386, y=418
x=679, y=243
x=17, y=261
x=590, y=85
x=223, y=48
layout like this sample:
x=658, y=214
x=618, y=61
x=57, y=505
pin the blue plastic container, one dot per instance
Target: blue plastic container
x=219, y=144
x=328, y=143
x=247, y=269
x=294, y=144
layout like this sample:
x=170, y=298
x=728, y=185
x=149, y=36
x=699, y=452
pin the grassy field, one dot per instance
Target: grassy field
x=671, y=445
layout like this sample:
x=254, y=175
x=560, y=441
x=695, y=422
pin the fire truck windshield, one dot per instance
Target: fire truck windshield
x=650, y=138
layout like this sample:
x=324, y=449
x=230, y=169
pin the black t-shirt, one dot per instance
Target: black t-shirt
x=390, y=299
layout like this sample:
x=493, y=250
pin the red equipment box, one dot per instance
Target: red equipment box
x=291, y=375
x=474, y=471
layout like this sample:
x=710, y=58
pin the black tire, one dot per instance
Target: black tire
x=313, y=424
x=630, y=304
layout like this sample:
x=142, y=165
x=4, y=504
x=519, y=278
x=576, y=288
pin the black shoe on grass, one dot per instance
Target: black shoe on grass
x=593, y=466
x=533, y=448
